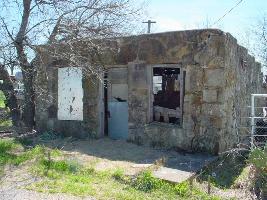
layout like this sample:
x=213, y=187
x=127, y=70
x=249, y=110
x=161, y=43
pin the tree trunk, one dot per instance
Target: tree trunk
x=29, y=98
x=26, y=67
x=8, y=90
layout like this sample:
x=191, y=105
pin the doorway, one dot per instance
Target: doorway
x=116, y=104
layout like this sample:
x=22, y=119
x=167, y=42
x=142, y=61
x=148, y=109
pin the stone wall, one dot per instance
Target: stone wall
x=219, y=78
x=200, y=54
x=243, y=77
x=138, y=93
x=211, y=60
x=46, y=86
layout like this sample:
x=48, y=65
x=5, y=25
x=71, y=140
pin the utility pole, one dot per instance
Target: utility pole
x=149, y=22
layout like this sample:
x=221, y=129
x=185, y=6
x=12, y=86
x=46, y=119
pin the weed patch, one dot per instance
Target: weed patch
x=63, y=176
x=146, y=182
x=2, y=99
x=6, y=145
x=258, y=158
x=118, y=175
x=12, y=152
x=5, y=124
x=224, y=172
x=59, y=166
x=182, y=189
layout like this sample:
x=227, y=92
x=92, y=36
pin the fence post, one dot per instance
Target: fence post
x=252, y=120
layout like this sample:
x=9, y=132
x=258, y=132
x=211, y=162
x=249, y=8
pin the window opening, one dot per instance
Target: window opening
x=166, y=92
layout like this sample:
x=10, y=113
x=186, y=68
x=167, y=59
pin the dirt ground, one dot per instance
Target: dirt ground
x=112, y=154
x=105, y=154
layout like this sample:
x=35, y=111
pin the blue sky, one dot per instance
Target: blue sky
x=173, y=15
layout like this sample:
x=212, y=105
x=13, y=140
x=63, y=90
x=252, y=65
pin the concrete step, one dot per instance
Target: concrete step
x=172, y=175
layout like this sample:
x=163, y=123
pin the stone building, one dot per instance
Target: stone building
x=181, y=90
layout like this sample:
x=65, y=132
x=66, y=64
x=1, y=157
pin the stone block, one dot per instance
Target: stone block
x=216, y=62
x=118, y=75
x=137, y=75
x=193, y=79
x=216, y=122
x=210, y=96
x=213, y=109
x=166, y=136
x=214, y=78
x=197, y=99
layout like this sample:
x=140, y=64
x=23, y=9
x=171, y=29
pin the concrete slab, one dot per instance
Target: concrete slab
x=179, y=168
x=172, y=175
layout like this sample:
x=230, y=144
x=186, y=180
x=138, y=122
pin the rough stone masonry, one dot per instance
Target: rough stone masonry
x=216, y=77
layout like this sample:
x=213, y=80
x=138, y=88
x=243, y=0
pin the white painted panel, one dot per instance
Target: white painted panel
x=70, y=94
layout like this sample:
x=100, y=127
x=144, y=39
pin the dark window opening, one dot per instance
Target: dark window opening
x=167, y=92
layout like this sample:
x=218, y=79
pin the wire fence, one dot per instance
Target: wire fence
x=257, y=120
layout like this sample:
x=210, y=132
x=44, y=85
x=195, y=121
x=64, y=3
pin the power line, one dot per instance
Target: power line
x=227, y=13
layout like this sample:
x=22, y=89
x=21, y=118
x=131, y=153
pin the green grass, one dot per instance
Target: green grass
x=118, y=174
x=258, y=158
x=6, y=156
x=70, y=177
x=59, y=175
x=2, y=99
x=6, y=123
x=12, y=152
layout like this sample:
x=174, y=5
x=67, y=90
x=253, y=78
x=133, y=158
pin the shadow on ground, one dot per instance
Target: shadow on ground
x=118, y=150
x=225, y=169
